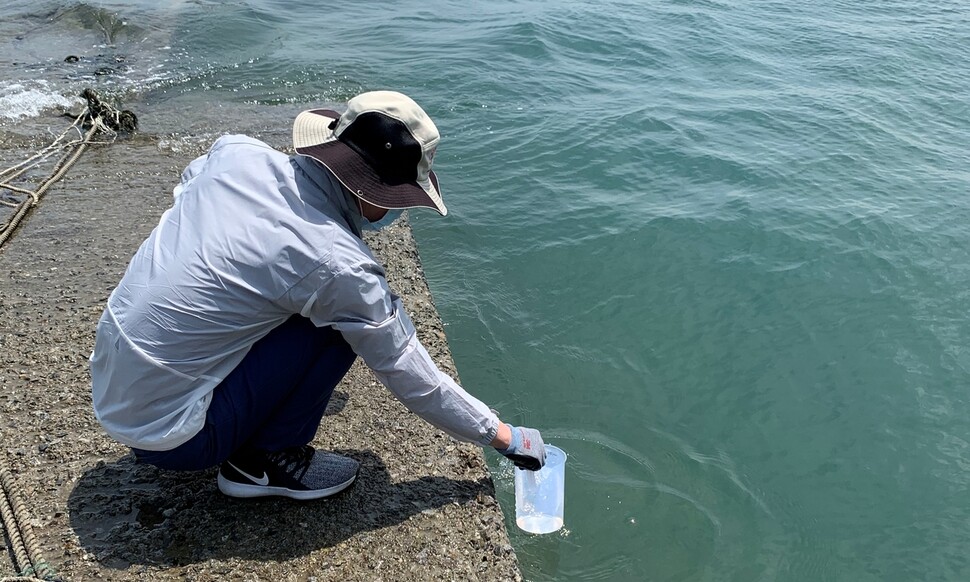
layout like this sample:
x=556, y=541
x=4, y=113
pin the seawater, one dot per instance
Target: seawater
x=539, y=524
x=716, y=250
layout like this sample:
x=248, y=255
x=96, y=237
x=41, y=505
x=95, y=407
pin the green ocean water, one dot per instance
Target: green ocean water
x=715, y=250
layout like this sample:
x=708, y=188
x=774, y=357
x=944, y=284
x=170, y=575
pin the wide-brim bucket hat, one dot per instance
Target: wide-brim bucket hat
x=381, y=149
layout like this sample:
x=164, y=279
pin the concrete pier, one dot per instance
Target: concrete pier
x=424, y=506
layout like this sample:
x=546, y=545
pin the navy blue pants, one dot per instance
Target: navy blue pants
x=274, y=399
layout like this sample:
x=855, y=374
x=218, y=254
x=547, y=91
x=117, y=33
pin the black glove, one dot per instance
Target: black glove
x=527, y=450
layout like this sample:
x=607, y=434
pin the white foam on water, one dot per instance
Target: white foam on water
x=29, y=99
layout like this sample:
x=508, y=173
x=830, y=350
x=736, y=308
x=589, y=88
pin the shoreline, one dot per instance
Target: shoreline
x=423, y=507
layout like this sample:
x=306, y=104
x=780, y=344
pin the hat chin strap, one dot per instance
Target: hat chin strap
x=371, y=208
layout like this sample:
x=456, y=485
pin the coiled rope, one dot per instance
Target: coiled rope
x=29, y=561
x=98, y=117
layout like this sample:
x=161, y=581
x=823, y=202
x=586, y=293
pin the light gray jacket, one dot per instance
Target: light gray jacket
x=254, y=236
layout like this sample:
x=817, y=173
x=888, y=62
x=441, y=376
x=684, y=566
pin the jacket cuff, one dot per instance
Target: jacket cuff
x=490, y=434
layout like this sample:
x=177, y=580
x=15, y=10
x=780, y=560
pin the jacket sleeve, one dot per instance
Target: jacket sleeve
x=358, y=302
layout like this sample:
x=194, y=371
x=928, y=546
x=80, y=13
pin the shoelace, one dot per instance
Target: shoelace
x=294, y=462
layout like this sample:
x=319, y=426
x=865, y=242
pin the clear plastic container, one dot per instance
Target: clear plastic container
x=540, y=495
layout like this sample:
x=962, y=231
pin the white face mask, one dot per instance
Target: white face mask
x=389, y=217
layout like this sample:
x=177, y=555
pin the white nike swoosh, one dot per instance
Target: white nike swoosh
x=264, y=480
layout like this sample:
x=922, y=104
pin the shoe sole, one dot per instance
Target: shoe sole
x=243, y=490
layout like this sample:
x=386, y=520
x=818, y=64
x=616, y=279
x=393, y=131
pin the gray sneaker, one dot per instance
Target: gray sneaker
x=298, y=473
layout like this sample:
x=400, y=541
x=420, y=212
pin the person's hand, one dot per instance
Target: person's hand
x=527, y=450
